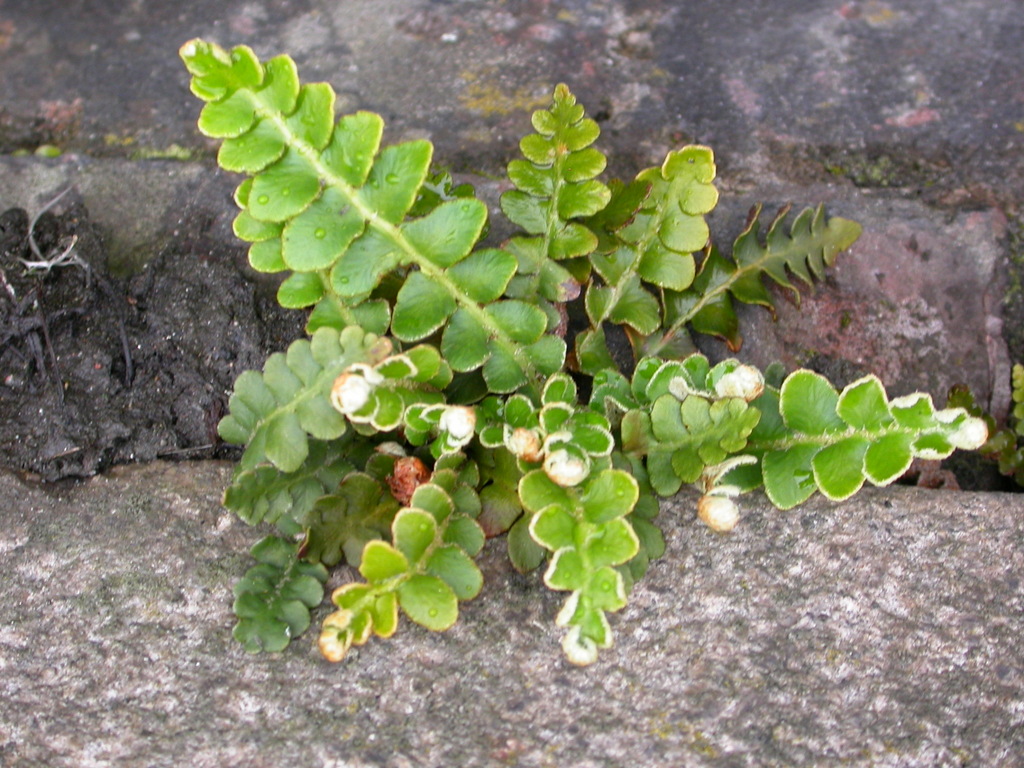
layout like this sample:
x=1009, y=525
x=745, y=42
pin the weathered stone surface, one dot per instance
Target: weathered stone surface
x=882, y=632
x=139, y=208
x=917, y=300
x=880, y=91
x=898, y=115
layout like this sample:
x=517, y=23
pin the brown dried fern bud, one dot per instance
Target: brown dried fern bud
x=525, y=444
x=408, y=475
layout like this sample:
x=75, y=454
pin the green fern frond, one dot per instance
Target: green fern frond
x=432, y=404
x=426, y=569
x=265, y=493
x=326, y=203
x=653, y=226
x=812, y=244
x=813, y=438
x=274, y=413
x=587, y=530
x=687, y=419
x=341, y=523
x=556, y=187
x=273, y=599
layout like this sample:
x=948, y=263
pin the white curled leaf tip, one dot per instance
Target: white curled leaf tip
x=459, y=422
x=564, y=469
x=579, y=650
x=392, y=448
x=908, y=401
x=745, y=382
x=719, y=513
x=561, y=436
x=367, y=372
x=335, y=636
x=351, y=391
x=971, y=435
x=524, y=444
x=680, y=388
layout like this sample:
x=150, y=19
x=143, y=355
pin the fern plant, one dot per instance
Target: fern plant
x=450, y=391
x=1005, y=446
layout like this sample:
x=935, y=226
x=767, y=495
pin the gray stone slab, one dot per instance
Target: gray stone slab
x=881, y=632
x=889, y=93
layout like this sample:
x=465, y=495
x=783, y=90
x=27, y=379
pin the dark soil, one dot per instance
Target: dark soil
x=96, y=371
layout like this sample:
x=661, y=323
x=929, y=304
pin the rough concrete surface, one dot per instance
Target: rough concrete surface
x=884, y=632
